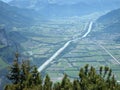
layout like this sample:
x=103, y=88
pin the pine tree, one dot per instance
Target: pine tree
x=76, y=85
x=105, y=70
x=100, y=71
x=66, y=84
x=14, y=71
x=47, y=83
x=36, y=78
x=86, y=69
x=25, y=77
x=57, y=86
x=25, y=72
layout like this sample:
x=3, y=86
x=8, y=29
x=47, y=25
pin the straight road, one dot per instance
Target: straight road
x=108, y=53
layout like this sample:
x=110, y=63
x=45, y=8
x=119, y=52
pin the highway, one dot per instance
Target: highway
x=58, y=52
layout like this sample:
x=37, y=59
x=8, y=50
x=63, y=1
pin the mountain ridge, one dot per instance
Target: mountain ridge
x=111, y=21
x=61, y=8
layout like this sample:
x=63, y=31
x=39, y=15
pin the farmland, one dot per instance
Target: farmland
x=45, y=38
x=85, y=52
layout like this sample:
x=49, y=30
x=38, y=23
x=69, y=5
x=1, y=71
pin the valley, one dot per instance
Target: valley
x=45, y=39
x=85, y=52
x=51, y=36
x=42, y=39
x=58, y=37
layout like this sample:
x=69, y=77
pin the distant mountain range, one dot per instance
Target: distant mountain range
x=19, y=11
x=64, y=8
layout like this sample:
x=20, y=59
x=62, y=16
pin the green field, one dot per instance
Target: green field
x=87, y=52
x=45, y=38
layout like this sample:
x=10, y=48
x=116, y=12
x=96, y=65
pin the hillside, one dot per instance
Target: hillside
x=3, y=38
x=108, y=26
x=13, y=16
x=111, y=21
x=10, y=17
x=3, y=44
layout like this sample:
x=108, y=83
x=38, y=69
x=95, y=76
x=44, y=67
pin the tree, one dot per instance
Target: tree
x=14, y=71
x=57, y=86
x=91, y=80
x=66, y=84
x=47, y=83
x=76, y=85
x=36, y=78
x=26, y=77
x=86, y=69
x=101, y=68
x=105, y=70
x=23, y=76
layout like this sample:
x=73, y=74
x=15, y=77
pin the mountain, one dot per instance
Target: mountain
x=111, y=21
x=47, y=8
x=3, y=38
x=9, y=43
x=108, y=26
x=57, y=8
x=28, y=3
x=13, y=16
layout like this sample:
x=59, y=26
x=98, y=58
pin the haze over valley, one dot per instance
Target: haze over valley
x=60, y=36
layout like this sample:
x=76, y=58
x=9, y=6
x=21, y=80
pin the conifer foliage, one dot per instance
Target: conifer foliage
x=25, y=77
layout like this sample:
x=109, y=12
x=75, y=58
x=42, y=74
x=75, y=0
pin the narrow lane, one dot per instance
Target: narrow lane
x=108, y=53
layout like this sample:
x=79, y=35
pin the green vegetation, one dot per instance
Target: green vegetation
x=1, y=46
x=25, y=77
x=86, y=51
x=42, y=39
x=2, y=64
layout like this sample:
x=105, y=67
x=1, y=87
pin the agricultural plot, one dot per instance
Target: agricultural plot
x=45, y=38
x=86, y=52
